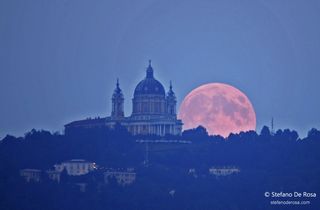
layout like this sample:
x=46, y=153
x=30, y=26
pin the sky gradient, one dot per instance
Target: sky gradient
x=59, y=59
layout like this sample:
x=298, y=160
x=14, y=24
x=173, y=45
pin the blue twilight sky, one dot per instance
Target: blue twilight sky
x=59, y=59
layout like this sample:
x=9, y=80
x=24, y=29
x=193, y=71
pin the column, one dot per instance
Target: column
x=162, y=130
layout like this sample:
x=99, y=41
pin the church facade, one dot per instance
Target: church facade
x=153, y=110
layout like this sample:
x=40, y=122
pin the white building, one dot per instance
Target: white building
x=31, y=174
x=75, y=167
x=224, y=171
x=123, y=176
x=54, y=175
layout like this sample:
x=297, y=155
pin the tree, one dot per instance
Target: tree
x=313, y=134
x=199, y=132
x=290, y=135
x=64, y=177
x=8, y=139
x=265, y=133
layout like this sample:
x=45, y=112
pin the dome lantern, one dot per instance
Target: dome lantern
x=149, y=71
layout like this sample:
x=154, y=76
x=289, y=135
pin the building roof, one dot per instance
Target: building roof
x=77, y=161
x=170, y=92
x=117, y=91
x=149, y=85
x=30, y=170
x=88, y=121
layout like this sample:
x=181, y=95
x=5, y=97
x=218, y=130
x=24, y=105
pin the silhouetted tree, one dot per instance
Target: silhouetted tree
x=290, y=135
x=286, y=135
x=234, y=138
x=313, y=134
x=196, y=134
x=265, y=133
x=64, y=177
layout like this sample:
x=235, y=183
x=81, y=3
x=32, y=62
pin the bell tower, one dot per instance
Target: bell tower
x=117, y=103
x=171, y=102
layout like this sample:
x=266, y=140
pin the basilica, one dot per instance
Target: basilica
x=153, y=110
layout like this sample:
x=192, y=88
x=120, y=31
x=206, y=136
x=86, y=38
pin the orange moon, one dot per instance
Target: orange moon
x=222, y=109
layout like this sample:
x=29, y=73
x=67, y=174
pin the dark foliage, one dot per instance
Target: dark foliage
x=268, y=162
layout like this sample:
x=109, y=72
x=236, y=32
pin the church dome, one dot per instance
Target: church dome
x=149, y=86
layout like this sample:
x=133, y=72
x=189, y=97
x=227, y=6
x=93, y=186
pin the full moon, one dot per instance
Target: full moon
x=222, y=109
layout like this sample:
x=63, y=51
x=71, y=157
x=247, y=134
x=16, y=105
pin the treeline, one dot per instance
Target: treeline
x=279, y=161
x=117, y=148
